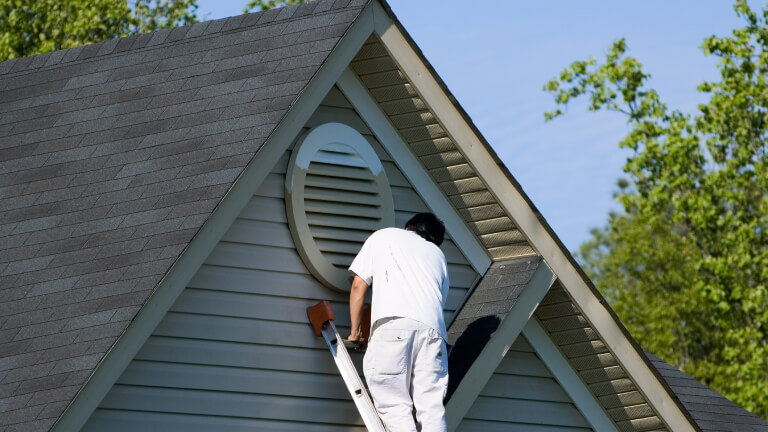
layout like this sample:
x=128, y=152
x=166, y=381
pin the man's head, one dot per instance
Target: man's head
x=428, y=226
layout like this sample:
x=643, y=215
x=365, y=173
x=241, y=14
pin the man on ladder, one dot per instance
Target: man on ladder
x=406, y=363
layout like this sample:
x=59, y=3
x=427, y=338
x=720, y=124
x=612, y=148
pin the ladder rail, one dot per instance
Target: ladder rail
x=351, y=378
x=321, y=317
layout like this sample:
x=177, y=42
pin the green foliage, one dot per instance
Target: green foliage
x=686, y=265
x=151, y=15
x=30, y=27
x=260, y=5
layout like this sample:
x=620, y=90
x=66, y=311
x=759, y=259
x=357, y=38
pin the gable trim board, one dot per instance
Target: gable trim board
x=181, y=272
x=370, y=112
x=561, y=369
x=494, y=351
x=538, y=233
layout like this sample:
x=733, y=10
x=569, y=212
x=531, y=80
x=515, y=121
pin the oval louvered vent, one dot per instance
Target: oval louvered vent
x=337, y=194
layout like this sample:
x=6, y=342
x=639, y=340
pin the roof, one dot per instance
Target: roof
x=490, y=302
x=112, y=156
x=710, y=410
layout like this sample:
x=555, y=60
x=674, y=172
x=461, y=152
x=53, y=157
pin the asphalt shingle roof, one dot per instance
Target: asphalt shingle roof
x=495, y=294
x=112, y=156
x=711, y=411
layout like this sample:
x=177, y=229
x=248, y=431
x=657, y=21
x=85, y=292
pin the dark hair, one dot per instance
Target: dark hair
x=428, y=226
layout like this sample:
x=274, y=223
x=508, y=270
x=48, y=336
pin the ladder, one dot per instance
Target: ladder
x=321, y=316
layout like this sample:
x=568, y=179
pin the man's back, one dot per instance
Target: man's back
x=408, y=274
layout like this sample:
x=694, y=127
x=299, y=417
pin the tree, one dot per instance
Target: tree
x=260, y=5
x=685, y=265
x=32, y=27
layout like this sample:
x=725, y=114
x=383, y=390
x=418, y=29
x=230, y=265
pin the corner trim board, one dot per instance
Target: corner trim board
x=489, y=359
x=128, y=344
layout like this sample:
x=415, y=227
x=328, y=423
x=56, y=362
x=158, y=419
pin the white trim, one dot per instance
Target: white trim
x=568, y=378
x=413, y=170
x=494, y=351
x=348, y=141
x=129, y=343
x=516, y=205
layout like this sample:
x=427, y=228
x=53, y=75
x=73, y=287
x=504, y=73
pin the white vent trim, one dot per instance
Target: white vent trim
x=337, y=193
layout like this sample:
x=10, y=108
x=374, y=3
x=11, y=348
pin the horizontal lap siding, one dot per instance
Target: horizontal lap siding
x=596, y=365
x=522, y=395
x=235, y=352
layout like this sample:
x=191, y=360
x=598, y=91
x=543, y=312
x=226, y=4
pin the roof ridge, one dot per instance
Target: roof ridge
x=162, y=37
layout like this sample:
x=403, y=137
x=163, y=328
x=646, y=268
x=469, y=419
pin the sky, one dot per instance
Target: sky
x=495, y=57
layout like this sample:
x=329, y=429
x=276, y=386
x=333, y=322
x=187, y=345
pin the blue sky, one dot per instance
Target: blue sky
x=495, y=56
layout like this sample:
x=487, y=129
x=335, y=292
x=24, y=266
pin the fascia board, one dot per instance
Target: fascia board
x=494, y=351
x=536, y=231
x=182, y=271
x=413, y=170
x=568, y=378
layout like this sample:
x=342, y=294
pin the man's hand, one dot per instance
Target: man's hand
x=356, y=303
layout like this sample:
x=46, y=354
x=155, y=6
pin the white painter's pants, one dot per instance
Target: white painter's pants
x=406, y=367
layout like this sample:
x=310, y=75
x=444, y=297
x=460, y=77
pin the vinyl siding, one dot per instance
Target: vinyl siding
x=522, y=395
x=236, y=352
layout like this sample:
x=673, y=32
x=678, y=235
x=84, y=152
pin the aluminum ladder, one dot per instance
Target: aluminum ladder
x=321, y=316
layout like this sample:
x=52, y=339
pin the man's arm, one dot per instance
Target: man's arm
x=356, y=303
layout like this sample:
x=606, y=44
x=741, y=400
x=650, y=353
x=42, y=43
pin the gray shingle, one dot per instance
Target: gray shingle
x=177, y=34
x=45, y=275
x=22, y=64
x=50, y=287
x=26, y=319
x=7, y=65
x=268, y=16
x=171, y=238
x=286, y=12
x=14, y=403
x=12, y=347
x=20, y=415
x=232, y=23
x=44, y=383
x=140, y=148
x=339, y=4
x=305, y=9
x=215, y=26
x=710, y=410
x=329, y=32
x=99, y=332
x=89, y=51
x=130, y=299
x=197, y=30
x=79, y=307
x=27, y=265
x=107, y=47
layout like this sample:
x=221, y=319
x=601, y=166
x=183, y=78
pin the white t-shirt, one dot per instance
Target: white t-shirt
x=408, y=275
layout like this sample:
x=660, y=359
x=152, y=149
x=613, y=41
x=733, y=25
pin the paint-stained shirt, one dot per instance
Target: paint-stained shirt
x=408, y=276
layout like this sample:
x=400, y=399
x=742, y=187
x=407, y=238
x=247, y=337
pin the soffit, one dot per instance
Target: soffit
x=438, y=153
x=598, y=368
x=421, y=130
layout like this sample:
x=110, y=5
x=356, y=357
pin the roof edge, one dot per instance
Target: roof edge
x=126, y=44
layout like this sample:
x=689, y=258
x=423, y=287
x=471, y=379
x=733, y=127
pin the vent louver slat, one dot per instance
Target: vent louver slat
x=337, y=194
